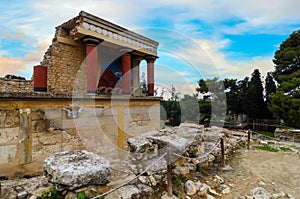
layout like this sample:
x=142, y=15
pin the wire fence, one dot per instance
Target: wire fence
x=169, y=154
x=200, y=157
x=136, y=177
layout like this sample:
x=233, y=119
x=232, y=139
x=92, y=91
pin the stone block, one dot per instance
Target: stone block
x=9, y=136
x=8, y=153
x=74, y=169
x=52, y=114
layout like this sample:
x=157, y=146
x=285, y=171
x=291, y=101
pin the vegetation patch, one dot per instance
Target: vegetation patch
x=285, y=149
x=51, y=194
x=179, y=179
x=266, y=148
x=266, y=133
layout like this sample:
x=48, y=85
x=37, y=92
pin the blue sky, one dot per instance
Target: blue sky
x=198, y=39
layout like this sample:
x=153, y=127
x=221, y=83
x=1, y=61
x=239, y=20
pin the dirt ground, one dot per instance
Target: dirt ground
x=274, y=171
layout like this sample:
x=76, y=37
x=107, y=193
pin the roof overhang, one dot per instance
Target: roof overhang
x=89, y=25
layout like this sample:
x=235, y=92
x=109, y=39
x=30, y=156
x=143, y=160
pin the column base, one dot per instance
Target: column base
x=91, y=92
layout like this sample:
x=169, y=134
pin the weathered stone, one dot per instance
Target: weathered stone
x=176, y=143
x=165, y=196
x=190, y=188
x=281, y=194
x=261, y=183
x=145, y=188
x=223, y=188
x=260, y=193
x=143, y=179
x=73, y=169
x=218, y=179
x=22, y=195
x=209, y=196
x=138, y=145
x=152, y=180
x=128, y=191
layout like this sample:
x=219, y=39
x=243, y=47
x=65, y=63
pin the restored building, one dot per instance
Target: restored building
x=85, y=94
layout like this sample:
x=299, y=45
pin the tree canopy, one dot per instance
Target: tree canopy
x=285, y=102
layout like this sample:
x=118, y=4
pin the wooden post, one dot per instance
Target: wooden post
x=223, y=152
x=249, y=138
x=169, y=172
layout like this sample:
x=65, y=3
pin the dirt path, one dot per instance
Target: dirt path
x=274, y=171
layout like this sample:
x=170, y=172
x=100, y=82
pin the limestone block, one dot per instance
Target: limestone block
x=37, y=114
x=9, y=136
x=8, y=153
x=74, y=169
x=52, y=114
x=260, y=193
x=68, y=124
x=46, y=139
x=190, y=188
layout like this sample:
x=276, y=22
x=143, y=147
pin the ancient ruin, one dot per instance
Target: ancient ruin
x=85, y=94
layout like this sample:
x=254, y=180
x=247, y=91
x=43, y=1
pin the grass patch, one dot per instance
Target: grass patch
x=285, y=149
x=266, y=148
x=266, y=133
x=179, y=179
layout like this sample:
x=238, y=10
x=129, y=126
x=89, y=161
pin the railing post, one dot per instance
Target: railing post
x=169, y=172
x=222, y=152
x=249, y=138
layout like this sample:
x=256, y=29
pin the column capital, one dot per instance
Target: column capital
x=150, y=59
x=91, y=41
x=125, y=51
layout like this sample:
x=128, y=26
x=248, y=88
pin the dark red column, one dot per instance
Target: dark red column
x=92, y=64
x=126, y=65
x=150, y=75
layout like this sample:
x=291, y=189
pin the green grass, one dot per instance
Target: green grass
x=266, y=148
x=285, y=149
x=179, y=179
x=266, y=133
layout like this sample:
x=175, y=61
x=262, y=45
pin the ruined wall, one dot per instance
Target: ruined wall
x=15, y=86
x=287, y=134
x=28, y=136
x=64, y=59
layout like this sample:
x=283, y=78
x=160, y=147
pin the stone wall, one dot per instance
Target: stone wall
x=28, y=136
x=63, y=60
x=15, y=86
x=287, y=134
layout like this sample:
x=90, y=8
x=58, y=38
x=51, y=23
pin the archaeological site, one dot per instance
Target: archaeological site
x=83, y=128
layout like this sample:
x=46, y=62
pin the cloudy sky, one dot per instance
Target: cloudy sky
x=198, y=39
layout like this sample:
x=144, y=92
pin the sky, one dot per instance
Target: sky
x=198, y=39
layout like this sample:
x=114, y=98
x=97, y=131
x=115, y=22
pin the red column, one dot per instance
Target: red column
x=92, y=64
x=150, y=75
x=126, y=65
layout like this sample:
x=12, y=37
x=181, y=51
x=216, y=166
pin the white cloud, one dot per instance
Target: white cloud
x=218, y=63
x=35, y=20
x=17, y=65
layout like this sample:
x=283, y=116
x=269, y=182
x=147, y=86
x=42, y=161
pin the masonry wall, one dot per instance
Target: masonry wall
x=52, y=130
x=15, y=86
x=64, y=59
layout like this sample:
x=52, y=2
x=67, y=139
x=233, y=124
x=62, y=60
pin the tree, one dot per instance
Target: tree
x=285, y=102
x=8, y=76
x=213, y=90
x=232, y=92
x=242, y=96
x=255, y=97
x=189, y=108
x=172, y=107
x=270, y=87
